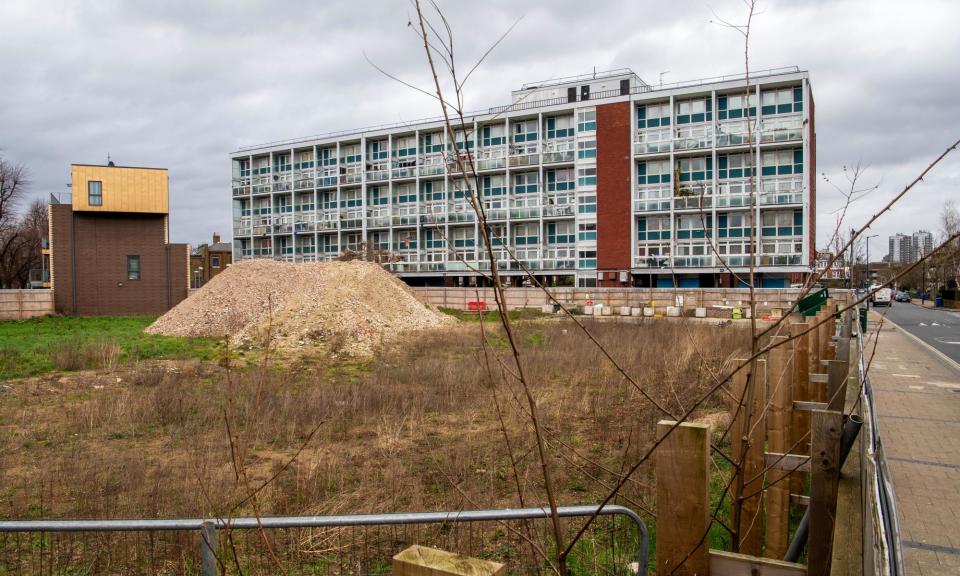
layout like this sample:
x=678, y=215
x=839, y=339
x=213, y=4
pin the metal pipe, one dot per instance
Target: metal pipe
x=851, y=429
x=340, y=521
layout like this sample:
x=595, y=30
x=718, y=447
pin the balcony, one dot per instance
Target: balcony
x=491, y=158
x=282, y=186
x=351, y=218
x=378, y=217
x=377, y=175
x=495, y=214
x=559, y=150
x=733, y=133
x=525, y=154
x=692, y=261
x=781, y=129
x=262, y=186
x=693, y=138
x=406, y=214
x=651, y=261
x=327, y=179
x=525, y=212
x=461, y=212
x=733, y=193
x=694, y=200
x=559, y=258
x=432, y=165
x=656, y=141
x=780, y=260
x=433, y=213
x=652, y=198
x=781, y=190
x=558, y=210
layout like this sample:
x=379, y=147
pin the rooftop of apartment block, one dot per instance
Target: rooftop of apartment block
x=528, y=97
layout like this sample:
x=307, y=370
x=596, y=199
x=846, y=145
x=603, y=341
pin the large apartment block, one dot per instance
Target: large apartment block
x=598, y=180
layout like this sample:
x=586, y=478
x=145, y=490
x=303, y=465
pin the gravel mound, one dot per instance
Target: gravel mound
x=349, y=308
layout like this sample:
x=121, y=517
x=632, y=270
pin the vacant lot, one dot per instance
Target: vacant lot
x=41, y=345
x=415, y=429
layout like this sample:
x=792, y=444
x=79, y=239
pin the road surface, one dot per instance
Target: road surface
x=939, y=328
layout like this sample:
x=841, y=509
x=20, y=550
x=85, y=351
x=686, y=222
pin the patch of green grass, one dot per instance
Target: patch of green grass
x=27, y=347
x=493, y=315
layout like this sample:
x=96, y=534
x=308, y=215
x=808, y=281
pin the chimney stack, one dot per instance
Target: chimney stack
x=216, y=238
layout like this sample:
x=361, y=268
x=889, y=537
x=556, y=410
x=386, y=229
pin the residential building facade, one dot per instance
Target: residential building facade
x=208, y=260
x=598, y=180
x=838, y=270
x=109, y=249
x=908, y=248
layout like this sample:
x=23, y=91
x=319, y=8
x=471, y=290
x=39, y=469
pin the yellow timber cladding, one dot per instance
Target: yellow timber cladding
x=121, y=189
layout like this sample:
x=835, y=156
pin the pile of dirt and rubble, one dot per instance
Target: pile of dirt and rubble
x=346, y=307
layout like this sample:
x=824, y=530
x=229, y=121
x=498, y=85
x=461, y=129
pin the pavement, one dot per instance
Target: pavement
x=938, y=327
x=917, y=394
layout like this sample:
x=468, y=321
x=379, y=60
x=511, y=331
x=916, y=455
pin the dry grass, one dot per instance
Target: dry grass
x=397, y=433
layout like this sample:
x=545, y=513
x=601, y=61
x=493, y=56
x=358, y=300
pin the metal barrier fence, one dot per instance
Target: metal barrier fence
x=882, y=531
x=25, y=545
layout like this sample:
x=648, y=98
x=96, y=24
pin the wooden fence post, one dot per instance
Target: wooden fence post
x=825, y=474
x=837, y=385
x=800, y=424
x=750, y=528
x=683, y=499
x=780, y=375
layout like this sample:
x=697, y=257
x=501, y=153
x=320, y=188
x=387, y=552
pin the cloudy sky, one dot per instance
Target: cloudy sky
x=182, y=83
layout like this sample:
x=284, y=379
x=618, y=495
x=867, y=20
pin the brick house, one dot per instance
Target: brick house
x=109, y=247
x=208, y=260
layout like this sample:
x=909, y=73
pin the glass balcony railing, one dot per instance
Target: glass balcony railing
x=781, y=129
x=525, y=154
x=557, y=150
x=692, y=261
x=655, y=141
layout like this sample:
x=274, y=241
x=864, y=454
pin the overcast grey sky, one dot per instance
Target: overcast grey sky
x=182, y=83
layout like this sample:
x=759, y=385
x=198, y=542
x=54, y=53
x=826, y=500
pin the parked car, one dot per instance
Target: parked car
x=902, y=296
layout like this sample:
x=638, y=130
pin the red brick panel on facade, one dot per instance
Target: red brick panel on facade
x=812, y=175
x=613, y=190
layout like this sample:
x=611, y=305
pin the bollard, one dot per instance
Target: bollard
x=208, y=548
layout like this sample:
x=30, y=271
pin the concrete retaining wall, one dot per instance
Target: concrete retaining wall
x=23, y=304
x=718, y=302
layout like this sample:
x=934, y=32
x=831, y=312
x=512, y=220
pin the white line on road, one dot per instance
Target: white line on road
x=905, y=375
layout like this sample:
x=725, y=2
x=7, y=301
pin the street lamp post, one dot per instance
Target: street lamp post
x=866, y=281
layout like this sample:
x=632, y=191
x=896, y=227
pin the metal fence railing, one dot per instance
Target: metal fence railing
x=336, y=544
x=882, y=526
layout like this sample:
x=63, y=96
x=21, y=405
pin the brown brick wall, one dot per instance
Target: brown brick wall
x=61, y=257
x=613, y=190
x=98, y=244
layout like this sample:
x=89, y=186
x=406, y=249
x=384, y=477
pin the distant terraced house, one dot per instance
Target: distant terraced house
x=596, y=180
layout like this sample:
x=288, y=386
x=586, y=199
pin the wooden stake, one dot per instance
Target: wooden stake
x=800, y=422
x=837, y=385
x=750, y=526
x=825, y=475
x=683, y=500
x=780, y=391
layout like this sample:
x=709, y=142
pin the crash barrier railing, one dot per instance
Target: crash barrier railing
x=882, y=528
x=212, y=554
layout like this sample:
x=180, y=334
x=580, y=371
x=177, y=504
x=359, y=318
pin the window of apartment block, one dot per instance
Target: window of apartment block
x=782, y=162
x=695, y=110
x=781, y=101
x=559, y=126
x=781, y=223
x=525, y=183
x=587, y=204
x=587, y=176
x=463, y=237
x=561, y=232
x=404, y=146
x=493, y=186
x=95, y=193
x=734, y=224
x=653, y=172
x=525, y=131
x=492, y=135
x=587, y=231
x=734, y=166
x=734, y=106
x=215, y=261
x=695, y=169
x=431, y=191
x=433, y=238
x=653, y=115
x=133, y=267
x=587, y=149
x=692, y=226
x=653, y=228
x=560, y=179
x=586, y=120
x=404, y=193
x=431, y=142
x=526, y=234
x=586, y=258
